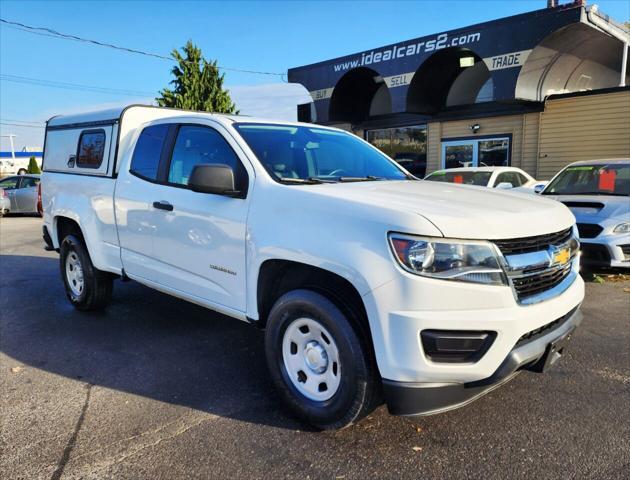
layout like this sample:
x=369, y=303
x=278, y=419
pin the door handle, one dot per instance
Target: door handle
x=163, y=205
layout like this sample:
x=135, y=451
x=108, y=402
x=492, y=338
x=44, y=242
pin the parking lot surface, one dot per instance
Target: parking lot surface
x=158, y=388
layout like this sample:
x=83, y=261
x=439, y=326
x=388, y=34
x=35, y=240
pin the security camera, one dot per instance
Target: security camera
x=475, y=127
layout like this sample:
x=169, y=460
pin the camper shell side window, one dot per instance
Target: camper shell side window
x=91, y=148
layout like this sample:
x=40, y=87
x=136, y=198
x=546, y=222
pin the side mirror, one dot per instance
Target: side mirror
x=213, y=178
x=504, y=185
x=539, y=188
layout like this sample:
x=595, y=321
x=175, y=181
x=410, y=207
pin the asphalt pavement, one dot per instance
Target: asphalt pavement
x=158, y=388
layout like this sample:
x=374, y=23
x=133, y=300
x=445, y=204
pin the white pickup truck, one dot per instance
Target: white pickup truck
x=370, y=284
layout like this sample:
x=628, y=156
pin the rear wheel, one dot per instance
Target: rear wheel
x=87, y=288
x=319, y=362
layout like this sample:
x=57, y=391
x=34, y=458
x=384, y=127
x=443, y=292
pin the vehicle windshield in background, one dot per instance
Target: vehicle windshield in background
x=295, y=154
x=466, y=178
x=610, y=179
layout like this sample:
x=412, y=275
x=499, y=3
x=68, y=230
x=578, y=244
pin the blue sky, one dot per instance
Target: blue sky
x=265, y=36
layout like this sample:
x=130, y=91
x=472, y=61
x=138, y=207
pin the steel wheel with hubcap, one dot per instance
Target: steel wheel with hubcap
x=74, y=274
x=87, y=288
x=320, y=361
x=311, y=358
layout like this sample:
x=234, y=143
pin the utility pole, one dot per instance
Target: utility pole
x=11, y=137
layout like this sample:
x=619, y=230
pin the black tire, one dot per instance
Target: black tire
x=359, y=387
x=97, y=285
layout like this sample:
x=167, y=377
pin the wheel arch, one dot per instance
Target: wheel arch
x=277, y=277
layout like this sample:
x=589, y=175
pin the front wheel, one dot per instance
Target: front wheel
x=319, y=362
x=86, y=287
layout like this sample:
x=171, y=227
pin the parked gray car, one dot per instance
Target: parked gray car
x=22, y=192
x=598, y=194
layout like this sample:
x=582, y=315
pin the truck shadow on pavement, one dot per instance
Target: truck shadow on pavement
x=145, y=343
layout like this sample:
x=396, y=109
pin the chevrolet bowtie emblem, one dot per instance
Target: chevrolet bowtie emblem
x=562, y=256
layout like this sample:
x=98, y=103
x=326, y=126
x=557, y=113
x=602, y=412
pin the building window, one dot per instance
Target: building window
x=91, y=149
x=406, y=145
x=476, y=152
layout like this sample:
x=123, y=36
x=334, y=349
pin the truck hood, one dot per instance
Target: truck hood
x=461, y=211
x=596, y=208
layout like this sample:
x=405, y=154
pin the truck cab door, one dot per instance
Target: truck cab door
x=190, y=244
x=199, y=242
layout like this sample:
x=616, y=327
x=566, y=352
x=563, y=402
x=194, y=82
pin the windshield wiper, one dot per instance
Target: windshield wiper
x=367, y=178
x=303, y=181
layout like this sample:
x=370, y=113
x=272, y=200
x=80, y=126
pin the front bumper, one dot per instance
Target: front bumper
x=409, y=398
x=605, y=251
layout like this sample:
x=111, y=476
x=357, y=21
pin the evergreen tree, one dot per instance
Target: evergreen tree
x=33, y=167
x=197, y=84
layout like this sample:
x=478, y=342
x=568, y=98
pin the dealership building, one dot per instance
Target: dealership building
x=536, y=91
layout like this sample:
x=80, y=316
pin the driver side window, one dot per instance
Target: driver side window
x=197, y=145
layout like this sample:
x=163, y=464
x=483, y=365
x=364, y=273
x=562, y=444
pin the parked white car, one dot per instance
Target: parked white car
x=598, y=194
x=491, y=177
x=365, y=279
x=5, y=203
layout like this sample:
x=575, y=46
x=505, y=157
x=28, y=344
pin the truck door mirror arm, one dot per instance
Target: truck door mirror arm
x=214, y=178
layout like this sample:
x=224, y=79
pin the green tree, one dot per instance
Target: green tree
x=197, y=84
x=33, y=167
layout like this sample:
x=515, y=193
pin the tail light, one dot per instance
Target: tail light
x=40, y=209
x=3, y=193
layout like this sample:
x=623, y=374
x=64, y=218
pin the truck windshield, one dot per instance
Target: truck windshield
x=465, y=177
x=296, y=154
x=602, y=179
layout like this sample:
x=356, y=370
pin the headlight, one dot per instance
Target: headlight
x=464, y=261
x=622, y=228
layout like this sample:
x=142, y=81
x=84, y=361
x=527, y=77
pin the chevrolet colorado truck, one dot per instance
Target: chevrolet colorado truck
x=371, y=285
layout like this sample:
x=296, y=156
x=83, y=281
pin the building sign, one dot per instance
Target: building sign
x=403, y=50
x=322, y=94
x=507, y=60
x=399, y=80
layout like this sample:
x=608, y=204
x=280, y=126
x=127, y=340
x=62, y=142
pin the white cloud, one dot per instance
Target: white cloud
x=275, y=101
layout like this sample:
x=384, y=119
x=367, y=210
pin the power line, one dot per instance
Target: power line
x=22, y=121
x=72, y=86
x=45, y=31
x=18, y=125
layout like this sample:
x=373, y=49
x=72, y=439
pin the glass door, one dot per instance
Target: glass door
x=459, y=154
x=476, y=152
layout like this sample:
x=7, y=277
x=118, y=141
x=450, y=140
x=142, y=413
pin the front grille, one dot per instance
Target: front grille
x=589, y=230
x=530, y=285
x=541, y=272
x=539, y=332
x=515, y=246
x=626, y=251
